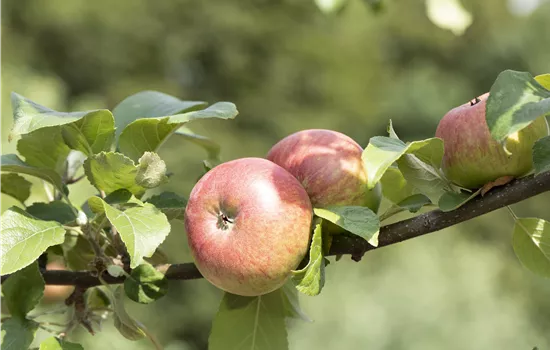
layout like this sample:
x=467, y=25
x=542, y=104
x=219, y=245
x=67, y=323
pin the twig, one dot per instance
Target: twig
x=435, y=220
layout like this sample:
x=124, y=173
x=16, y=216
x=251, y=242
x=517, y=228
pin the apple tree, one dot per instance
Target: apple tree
x=110, y=243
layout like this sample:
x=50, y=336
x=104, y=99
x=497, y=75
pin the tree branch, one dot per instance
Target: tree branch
x=435, y=220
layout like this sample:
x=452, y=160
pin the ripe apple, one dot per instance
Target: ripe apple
x=472, y=157
x=248, y=225
x=55, y=293
x=329, y=166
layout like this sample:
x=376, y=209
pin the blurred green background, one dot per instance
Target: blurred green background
x=288, y=66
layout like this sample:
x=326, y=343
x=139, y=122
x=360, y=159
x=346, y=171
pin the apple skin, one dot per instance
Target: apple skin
x=329, y=166
x=472, y=157
x=248, y=224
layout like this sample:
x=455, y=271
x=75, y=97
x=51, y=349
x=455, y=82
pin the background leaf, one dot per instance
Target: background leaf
x=92, y=134
x=452, y=200
x=149, y=134
x=255, y=323
x=54, y=343
x=360, y=221
x=124, y=323
x=541, y=155
x=16, y=186
x=212, y=148
x=23, y=290
x=531, y=242
x=52, y=211
x=112, y=171
x=17, y=333
x=291, y=302
x=142, y=229
x=150, y=104
x=171, y=204
x=311, y=279
x=515, y=100
x=24, y=238
x=145, y=284
x=12, y=163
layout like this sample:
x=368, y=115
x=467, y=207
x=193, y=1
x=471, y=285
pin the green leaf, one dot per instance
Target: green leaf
x=544, y=80
x=151, y=171
x=30, y=116
x=424, y=177
x=311, y=279
x=142, y=229
x=92, y=134
x=18, y=333
x=515, y=100
x=44, y=148
x=291, y=302
x=394, y=186
x=415, y=202
x=110, y=171
x=150, y=104
x=13, y=164
x=23, y=290
x=145, y=284
x=531, y=242
x=382, y=152
x=360, y=221
x=171, y=204
x=254, y=323
x=212, y=148
x=54, y=343
x=16, y=186
x=24, y=238
x=53, y=211
x=453, y=200
x=78, y=252
x=541, y=155
x=96, y=298
x=149, y=134
x=127, y=326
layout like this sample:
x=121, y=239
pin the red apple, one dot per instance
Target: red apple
x=472, y=157
x=329, y=166
x=248, y=225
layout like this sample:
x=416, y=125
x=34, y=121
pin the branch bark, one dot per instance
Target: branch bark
x=435, y=220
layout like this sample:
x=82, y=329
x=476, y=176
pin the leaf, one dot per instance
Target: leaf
x=531, y=242
x=151, y=171
x=12, y=163
x=96, y=298
x=360, y=221
x=501, y=181
x=311, y=279
x=291, y=302
x=54, y=343
x=23, y=290
x=53, y=211
x=171, y=204
x=18, y=333
x=382, y=152
x=92, y=134
x=158, y=258
x=541, y=155
x=149, y=134
x=544, y=80
x=415, y=202
x=211, y=147
x=124, y=323
x=515, y=100
x=424, y=177
x=142, y=229
x=453, y=200
x=394, y=186
x=44, y=148
x=252, y=323
x=24, y=238
x=150, y=104
x=110, y=171
x=16, y=186
x=145, y=284
x=78, y=252
x=30, y=116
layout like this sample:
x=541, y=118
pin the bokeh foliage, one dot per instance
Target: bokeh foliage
x=288, y=67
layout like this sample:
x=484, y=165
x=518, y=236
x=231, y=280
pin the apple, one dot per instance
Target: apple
x=55, y=293
x=472, y=157
x=248, y=224
x=328, y=164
